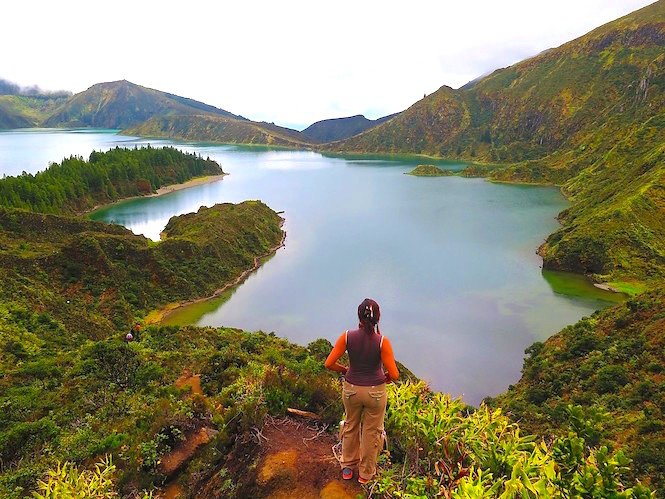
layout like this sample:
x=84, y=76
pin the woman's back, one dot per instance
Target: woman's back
x=364, y=357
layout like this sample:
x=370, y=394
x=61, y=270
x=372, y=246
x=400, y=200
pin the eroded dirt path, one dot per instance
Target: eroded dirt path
x=297, y=461
x=294, y=458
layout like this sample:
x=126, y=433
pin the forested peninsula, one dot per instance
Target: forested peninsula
x=76, y=185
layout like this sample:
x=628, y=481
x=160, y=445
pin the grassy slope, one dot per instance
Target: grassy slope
x=109, y=275
x=121, y=104
x=613, y=365
x=546, y=104
x=69, y=292
x=18, y=111
x=615, y=228
x=207, y=128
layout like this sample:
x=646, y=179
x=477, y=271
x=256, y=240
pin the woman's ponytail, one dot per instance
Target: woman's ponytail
x=369, y=315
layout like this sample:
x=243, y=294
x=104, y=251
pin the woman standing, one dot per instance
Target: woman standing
x=364, y=391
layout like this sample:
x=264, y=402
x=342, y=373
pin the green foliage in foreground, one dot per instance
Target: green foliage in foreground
x=441, y=447
x=66, y=481
x=76, y=185
x=110, y=397
x=604, y=374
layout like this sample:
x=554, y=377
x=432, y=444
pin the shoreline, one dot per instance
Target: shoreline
x=159, y=315
x=167, y=189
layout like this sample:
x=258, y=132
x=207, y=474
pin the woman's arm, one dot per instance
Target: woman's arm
x=337, y=351
x=388, y=360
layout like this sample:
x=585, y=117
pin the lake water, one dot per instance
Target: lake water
x=450, y=260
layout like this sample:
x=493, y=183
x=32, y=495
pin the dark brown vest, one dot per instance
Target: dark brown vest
x=365, y=358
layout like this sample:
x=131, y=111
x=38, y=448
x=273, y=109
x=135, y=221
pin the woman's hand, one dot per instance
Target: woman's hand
x=388, y=378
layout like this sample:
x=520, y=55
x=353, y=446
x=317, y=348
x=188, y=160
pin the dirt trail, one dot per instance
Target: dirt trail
x=297, y=461
x=193, y=381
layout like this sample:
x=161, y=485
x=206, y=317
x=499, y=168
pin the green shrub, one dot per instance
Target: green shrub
x=22, y=438
x=611, y=378
x=440, y=448
x=67, y=481
x=114, y=362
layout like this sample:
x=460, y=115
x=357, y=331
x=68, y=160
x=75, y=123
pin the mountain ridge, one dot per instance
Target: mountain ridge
x=333, y=129
x=121, y=104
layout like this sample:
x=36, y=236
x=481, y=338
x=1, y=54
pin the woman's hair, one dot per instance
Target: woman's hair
x=369, y=315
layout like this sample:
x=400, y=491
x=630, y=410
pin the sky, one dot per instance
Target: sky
x=287, y=62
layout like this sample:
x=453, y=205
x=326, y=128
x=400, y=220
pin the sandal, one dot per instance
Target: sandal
x=362, y=481
x=347, y=473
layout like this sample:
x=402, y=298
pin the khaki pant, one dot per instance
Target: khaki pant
x=362, y=435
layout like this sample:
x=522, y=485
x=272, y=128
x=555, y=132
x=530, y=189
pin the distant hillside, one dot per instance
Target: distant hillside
x=121, y=104
x=209, y=128
x=22, y=111
x=342, y=128
x=611, y=79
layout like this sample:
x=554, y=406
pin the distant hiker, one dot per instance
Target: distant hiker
x=364, y=390
x=136, y=330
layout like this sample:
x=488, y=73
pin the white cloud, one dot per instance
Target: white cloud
x=291, y=62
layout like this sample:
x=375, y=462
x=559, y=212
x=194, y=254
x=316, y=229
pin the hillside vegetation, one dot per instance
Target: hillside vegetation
x=207, y=128
x=72, y=267
x=21, y=111
x=121, y=104
x=612, y=366
x=70, y=388
x=429, y=171
x=75, y=185
x=606, y=81
x=615, y=228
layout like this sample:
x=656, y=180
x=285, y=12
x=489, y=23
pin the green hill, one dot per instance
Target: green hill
x=209, y=128
x=146, y=112
x=121, y=104
x=112, y=275
x=551, y=102
x=341, y=128
x=612, y=366
x=21, y=111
